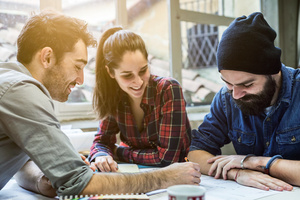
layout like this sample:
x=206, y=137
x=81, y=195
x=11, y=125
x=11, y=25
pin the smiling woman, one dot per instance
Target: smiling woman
x=148, y=110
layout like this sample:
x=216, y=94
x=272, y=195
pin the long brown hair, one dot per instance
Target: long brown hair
x=112, y=46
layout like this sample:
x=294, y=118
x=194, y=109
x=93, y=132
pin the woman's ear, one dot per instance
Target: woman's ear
x=47, y=57
x=110, y=74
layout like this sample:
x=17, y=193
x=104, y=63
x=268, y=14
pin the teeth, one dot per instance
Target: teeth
x=136, y=88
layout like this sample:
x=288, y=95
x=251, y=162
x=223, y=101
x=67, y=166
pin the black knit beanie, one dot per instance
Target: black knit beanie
x=248, y=45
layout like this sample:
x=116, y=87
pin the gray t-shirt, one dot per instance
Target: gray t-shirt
x=30, y=130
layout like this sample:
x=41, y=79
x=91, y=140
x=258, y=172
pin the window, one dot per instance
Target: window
x=200, y=24
x=99, y=15
x=147, y=18
x=183, y=48
x=13, y=14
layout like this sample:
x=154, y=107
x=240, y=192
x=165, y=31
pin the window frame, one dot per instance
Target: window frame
x=78, y=111
x=70, y=111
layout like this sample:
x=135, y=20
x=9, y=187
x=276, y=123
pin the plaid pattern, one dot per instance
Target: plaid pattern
x=166, y=134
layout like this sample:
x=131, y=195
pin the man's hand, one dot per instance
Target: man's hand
x=44, y=187
x=261, y=181
x=183, y=173
x=222, y=164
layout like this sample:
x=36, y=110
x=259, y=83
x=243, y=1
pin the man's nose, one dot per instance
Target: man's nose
x=80, y=78
x=237, y=92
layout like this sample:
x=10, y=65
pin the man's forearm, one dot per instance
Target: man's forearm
x=32, y=178
x=201, y=157
x=112, y=183
x=28, y=176
x=286, y=170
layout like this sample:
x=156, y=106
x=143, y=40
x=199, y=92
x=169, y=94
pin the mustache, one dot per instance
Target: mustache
x=73, y=83
x=247, y=97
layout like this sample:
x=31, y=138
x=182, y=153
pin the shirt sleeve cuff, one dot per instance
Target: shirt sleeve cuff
x=193, y=148
x=120, y=153
x=92, y=159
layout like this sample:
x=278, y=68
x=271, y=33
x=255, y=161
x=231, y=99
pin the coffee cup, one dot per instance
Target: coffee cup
x=186, y=192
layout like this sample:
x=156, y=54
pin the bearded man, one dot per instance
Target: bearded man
x=257, y=110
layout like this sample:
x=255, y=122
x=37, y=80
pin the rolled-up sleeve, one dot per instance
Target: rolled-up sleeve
x=105, y=139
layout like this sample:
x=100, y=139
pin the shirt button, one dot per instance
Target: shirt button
x=267, y=144
x=268, y=119
x=293, y=139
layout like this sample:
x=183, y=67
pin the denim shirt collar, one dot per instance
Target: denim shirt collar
x=285, y=93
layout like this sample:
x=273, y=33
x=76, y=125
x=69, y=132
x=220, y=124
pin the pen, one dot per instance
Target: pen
x=186, y=159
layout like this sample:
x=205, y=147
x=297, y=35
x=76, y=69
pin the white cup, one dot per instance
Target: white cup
x=186, y=192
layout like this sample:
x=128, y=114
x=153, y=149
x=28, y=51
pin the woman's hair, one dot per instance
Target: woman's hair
x=112, y=46
x=51, y=29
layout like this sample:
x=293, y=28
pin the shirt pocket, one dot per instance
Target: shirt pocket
x=288, y=141
x=243, y=142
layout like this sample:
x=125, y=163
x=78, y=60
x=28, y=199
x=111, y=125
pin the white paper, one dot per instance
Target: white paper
x=230, y=190
x=82, y=141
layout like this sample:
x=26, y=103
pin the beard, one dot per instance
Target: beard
x=255, y=104
x=56, y=82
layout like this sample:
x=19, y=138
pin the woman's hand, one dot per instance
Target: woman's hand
x=105, y=164
x=93, y=167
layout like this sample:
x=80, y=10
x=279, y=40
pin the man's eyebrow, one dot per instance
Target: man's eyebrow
x=242, y=83
x=81, y=60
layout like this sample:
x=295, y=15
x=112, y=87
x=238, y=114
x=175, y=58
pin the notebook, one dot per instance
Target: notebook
x=128, y=168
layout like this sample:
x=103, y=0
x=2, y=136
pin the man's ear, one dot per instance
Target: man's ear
x=47, y=57
x=107, y=69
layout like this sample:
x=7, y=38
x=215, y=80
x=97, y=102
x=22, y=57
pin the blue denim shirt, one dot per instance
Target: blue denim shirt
x=277, y=132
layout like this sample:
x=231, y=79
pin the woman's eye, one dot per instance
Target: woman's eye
x=127, y=76
x=143, y=71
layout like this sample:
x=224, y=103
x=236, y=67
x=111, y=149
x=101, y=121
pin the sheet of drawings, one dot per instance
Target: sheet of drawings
x=218, y=189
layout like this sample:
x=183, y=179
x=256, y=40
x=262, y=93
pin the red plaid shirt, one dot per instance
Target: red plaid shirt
x=166, y=134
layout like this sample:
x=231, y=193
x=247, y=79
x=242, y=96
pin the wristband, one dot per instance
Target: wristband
x=243, y=160
x=270, y=162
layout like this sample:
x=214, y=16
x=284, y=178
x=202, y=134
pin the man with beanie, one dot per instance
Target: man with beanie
x=257, y=110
